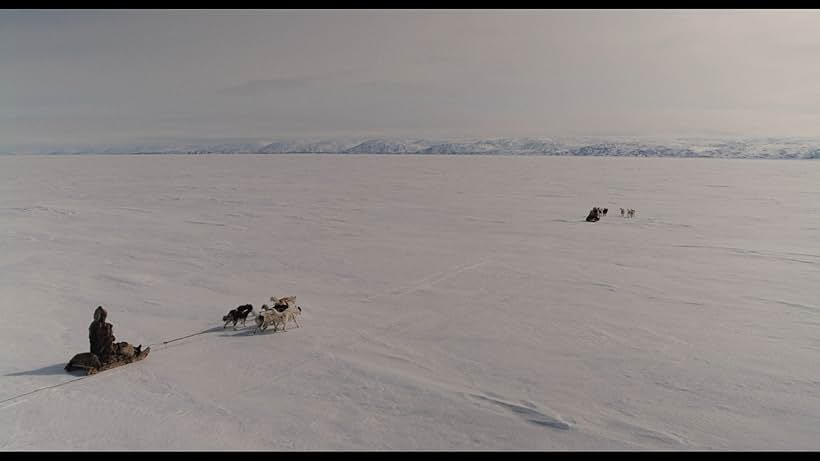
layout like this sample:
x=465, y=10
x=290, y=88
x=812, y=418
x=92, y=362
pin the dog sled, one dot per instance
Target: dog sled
x=105, y=353
x=89, y=361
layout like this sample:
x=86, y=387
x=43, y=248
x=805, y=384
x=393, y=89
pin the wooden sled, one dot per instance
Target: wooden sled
x=91, y=363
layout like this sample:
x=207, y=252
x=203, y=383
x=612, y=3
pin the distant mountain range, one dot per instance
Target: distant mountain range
x=768, y=148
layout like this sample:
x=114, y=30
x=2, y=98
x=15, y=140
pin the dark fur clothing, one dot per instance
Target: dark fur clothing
x=101, y=336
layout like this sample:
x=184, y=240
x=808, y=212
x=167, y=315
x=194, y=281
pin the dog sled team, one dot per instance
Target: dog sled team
x=105, y=353
x=281, y=311
x=596, y=213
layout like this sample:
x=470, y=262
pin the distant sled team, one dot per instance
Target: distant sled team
x=284, y=310
x=596, y=213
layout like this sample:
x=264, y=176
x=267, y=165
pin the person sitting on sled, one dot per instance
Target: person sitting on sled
x=101, y=337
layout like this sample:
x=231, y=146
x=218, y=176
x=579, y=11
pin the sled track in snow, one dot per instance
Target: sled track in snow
x=15, y=397
x=42, y=389
x=425, y=282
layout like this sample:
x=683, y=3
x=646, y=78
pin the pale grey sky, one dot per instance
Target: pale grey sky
x=87, y=77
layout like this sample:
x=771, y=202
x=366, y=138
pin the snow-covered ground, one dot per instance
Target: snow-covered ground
x=449, y=302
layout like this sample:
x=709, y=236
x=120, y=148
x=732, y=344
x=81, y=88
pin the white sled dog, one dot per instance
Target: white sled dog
x=289, y=314
x=265, y=319
x=270, y=316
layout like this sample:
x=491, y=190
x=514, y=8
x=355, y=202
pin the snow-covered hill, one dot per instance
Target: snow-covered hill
x=777, y=148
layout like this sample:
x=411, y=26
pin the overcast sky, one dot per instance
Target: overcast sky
x=93, y=77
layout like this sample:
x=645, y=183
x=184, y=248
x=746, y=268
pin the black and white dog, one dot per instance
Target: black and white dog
x=278, y=307
x=235, y=315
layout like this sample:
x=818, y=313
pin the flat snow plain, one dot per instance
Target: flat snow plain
x=450, y=302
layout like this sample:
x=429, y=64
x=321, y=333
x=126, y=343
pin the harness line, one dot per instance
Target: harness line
x=83, y=377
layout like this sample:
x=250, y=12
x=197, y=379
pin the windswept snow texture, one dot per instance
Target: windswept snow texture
x=449, y=302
